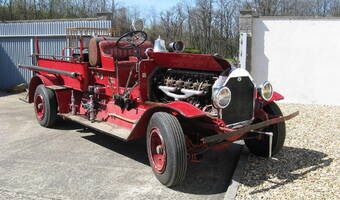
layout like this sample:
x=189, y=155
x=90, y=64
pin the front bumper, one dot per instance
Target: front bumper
x=231, y=133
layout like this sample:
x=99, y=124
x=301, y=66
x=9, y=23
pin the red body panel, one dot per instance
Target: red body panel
x=80, y=83
x=147, y=67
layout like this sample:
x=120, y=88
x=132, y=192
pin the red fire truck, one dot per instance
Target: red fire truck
x=183, y=104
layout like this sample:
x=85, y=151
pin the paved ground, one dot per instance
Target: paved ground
x=69, y=162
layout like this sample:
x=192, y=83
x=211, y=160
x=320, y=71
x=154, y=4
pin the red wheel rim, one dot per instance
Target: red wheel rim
x=39, y=106
x=157, y=151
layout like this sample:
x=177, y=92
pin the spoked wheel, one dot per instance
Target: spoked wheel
x=45, y=106
x=39, y=106
x=259, y=144
x=157, y=151
x=167, y=149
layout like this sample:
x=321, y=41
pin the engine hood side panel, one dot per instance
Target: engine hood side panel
x=190, y=61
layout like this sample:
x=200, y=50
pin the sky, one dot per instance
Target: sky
x=159, y=5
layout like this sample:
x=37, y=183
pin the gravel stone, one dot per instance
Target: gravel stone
x=308, y=165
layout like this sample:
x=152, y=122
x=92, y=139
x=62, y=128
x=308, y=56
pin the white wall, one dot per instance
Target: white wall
x=300, y=57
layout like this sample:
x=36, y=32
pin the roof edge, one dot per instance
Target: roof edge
x=57, y=20
x=298, y=17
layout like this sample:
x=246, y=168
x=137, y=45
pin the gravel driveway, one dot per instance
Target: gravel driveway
x=307, y=167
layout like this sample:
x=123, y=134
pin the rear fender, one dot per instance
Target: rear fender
x=177, y=108
x=47, y=80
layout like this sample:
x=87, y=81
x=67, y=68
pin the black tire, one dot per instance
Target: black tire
x=175, y=148
x=260, y=147
x=49, y=116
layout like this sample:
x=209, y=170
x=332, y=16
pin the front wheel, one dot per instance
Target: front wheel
x=259, y=144
x=166, y=149
x=45, y=106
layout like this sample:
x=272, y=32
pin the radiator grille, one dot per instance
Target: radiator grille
x=241, y=107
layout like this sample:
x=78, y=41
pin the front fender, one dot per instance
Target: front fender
x=276, y=97
x=181, y=108
x=47, y=80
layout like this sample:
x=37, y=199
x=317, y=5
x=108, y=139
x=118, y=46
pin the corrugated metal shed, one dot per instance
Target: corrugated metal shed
x=17, y=44
x=47, y=27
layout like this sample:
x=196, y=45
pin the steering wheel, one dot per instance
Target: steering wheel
x=131, y=40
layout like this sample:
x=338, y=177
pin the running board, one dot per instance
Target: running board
x=103, y=127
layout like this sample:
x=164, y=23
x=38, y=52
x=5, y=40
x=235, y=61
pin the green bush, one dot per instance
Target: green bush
x=192, y=50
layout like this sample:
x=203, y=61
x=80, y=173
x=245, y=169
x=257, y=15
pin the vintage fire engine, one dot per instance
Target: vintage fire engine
x=183, y=104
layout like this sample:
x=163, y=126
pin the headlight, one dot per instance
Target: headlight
x=266, y=91
x=222, y=97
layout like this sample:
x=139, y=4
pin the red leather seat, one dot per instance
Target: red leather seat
x=108, y=48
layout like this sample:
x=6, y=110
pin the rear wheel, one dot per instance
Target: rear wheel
x=259, y=144
x=166, y=149
x=45, y=106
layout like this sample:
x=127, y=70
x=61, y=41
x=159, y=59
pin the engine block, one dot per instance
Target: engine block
x=187, y=85
x=200, y=81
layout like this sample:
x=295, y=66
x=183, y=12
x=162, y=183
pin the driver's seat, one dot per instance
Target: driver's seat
x=105, y=49
x=126, y=59
x=108, y=48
